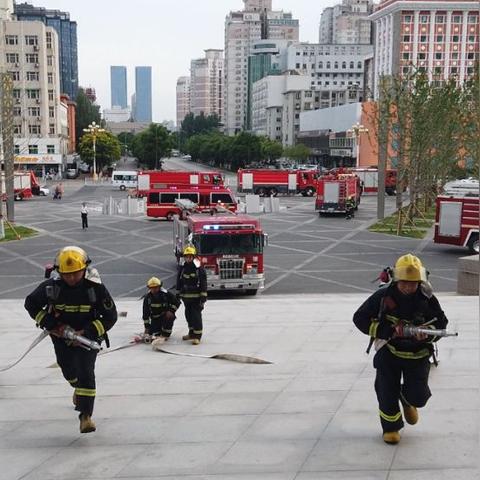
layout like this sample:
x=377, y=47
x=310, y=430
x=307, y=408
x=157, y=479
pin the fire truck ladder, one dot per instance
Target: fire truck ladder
x=188, y=207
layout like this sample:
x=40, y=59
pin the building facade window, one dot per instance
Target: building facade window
x=50, y=148
x=51, y=129
x=33, y=76
x=33, y=93
x=12, y=57
x=17, y=129
x=51, y=112
x=48, y=38
x=15, y=75
x=11, y=39
x=34, y=111
x=33, y=149
x=31, y=40
x=31, y=57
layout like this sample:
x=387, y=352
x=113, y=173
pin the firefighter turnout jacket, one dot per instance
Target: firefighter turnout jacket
x=192, y=282
x=155, y=304
x=87, y=306
x=382, y=311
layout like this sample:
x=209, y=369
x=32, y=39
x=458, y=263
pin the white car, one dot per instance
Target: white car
x=43, y=191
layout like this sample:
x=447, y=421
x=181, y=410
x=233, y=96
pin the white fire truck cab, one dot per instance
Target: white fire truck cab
x=229, y=246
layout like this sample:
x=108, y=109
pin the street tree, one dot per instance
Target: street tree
x=126, y=140
x=107, y=146
x=151, y=145
x=299, y=152
x=245, y=150
x=271, y=150
x=86, y=112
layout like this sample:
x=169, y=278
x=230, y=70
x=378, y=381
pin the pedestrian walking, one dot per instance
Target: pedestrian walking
x=77, y=299
x=84, y=214
x=192, y=287
x=159, y=307
x=401, y=362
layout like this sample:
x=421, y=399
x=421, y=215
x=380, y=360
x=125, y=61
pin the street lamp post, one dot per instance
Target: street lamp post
x=356, y=130
x=94, y=129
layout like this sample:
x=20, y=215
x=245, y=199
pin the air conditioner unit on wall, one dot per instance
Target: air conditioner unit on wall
x=36, y=48
x=37, y=65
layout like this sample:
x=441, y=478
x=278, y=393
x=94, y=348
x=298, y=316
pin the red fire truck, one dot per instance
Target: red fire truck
x=23, y=183
x=161, y=201
x=369, y=179
x=338, y=193
x=151, y=179
x=456, y=220
x=265, y=182
x=229, y=246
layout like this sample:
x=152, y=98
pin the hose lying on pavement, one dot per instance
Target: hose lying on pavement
x=29, y=349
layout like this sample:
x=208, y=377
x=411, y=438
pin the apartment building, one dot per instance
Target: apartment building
x=30, y=53
x=242, y=29
x=206, y=84
x=347, y=23
x=183, y=99
x=440, y=37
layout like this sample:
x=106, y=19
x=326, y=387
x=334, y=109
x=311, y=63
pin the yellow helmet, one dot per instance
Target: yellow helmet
x=190, y=250
x=154, y=282
x=409, y=268
x=71, y=259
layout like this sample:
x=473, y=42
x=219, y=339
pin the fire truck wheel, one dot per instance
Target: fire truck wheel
x=273, y=192
x=309, y=192
x=390, y=191
x=123, y=188
x=473, y=244
x=169, y=216
x=260, y=191
x=251, y=291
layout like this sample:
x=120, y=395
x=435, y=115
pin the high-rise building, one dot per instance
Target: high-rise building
x=183, y=99
x=143, y=94
x=268, y=58
x=6, y=9
x=206, y=84
x=29, y=52
x=347, y=23
x=67, y=37
x=118, y=86
x=242, y=29
x=440, y=37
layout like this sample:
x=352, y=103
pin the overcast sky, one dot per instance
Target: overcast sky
x=165, y=34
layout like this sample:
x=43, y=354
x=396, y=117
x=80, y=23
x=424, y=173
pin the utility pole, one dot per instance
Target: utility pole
x=383, y=130
x=6, y=105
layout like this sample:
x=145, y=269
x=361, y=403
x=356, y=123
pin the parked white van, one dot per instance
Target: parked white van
x=124, y=179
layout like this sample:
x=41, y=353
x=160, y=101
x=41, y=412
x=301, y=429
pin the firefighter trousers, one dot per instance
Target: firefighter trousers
x=78, y=369
x=193, y=315
x=391, y=391
x=162, y=324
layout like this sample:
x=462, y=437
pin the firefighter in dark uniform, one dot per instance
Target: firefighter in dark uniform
x=76, y=298
x=192, y=287
x=402, y=363
x=159, y=307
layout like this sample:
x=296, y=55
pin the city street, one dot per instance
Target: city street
x=306, y=253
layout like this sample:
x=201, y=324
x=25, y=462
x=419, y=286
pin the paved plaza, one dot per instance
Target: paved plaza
x=311, y=414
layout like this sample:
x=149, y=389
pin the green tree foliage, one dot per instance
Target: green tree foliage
x=151, y=145
x=470, y=120
x=245, y=150
x=108, y=149
x=86, y=112
x=271, y=150
x=194, y=125
x=126, y=140
x=299, y=152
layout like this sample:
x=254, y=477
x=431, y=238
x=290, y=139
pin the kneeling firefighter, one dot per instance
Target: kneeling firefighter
x=401, y=361
x=192, y=287
x=76, y=299
x=159, y=307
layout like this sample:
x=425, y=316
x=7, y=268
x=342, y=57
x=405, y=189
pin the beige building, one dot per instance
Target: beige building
x=347, y=23
x=242, y=29
x=183, y=99
x=206, y=84
x=29, y=52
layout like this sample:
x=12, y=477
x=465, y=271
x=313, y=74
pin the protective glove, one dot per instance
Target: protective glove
x=385, y=331
x=48, y=322
x=90, y=332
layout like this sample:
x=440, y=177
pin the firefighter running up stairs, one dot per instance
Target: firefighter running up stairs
x=192, y=288
x=159, y=307
x=402, y=363
x=78, y=299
